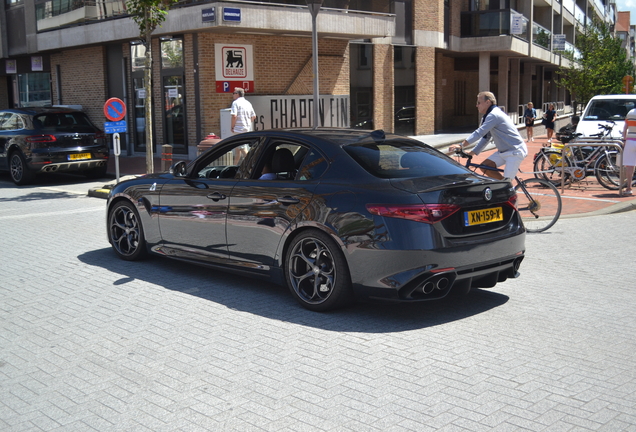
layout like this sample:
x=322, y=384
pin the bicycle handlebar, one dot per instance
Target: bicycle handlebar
x=460, y=152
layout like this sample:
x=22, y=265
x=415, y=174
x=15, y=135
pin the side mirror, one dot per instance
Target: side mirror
x=179, y=169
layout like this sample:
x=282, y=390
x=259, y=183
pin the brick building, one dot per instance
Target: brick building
x=410, y=66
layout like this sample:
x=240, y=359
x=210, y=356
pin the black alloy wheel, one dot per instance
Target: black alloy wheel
x=317, y=273
x=20, y=173
x=125, y=232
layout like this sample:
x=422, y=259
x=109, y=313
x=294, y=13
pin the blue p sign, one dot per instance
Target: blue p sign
x=226, y=86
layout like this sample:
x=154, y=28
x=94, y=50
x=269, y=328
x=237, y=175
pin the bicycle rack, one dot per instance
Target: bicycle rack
x=595, y=142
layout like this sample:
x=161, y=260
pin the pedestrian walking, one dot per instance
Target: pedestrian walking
x=629, y=150
x=529, y=116
x=548, y=121
x=243, y=115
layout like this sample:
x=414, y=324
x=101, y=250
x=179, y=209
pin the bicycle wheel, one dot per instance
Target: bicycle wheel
x=608, y=172
x=539, y=204
x=547, y=166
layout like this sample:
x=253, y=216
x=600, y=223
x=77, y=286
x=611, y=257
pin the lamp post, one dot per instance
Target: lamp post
x=314, y=8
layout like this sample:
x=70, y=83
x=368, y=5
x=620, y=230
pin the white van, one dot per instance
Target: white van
x=601, y=109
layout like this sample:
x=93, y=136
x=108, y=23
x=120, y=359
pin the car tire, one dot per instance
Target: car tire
x=125, y=232
x=97, y=173
x=20, y=173
x=317, y=273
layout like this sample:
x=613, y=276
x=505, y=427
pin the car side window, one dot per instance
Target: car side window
x=314, y=166
x=13, y=123
x=225, y=164
x=281, y=161
x=3, y=117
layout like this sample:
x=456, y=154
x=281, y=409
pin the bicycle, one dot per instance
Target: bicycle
x=538, y=201
x=577, y=163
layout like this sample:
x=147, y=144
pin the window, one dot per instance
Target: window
x=137, y=57
x=281, y=162
x=401, y=159
x=14, y=122
x=225, y=164
x=34, y=89
x=172, y=53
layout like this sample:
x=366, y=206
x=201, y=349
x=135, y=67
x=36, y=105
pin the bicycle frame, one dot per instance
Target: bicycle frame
x=603, y=145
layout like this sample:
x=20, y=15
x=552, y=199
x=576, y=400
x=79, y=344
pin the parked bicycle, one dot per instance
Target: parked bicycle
x=538, y=201
x=578, y=162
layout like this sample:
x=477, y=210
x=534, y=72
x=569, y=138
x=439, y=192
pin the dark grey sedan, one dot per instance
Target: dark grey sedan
x=334, y=214
x=44, y=140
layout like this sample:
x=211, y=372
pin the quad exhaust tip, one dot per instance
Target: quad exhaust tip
x=440, y=283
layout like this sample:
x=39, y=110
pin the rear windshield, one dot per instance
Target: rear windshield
x=609, y=109
x=402, y=159
x=64, y=122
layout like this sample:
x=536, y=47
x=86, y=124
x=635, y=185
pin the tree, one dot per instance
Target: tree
x=148, y=15
x=600, y=65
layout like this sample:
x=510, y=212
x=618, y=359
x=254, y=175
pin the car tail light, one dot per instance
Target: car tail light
x=427, y=213
x=512, y=201
x=40, y=140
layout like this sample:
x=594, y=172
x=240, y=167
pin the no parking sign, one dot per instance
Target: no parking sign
x=115, y=109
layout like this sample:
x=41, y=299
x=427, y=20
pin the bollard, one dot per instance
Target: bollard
x=166, y=157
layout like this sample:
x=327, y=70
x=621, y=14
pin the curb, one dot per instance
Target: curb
x=613, y=209
x=104, y=191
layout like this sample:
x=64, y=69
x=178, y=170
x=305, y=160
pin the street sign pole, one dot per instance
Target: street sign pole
x=117, y=151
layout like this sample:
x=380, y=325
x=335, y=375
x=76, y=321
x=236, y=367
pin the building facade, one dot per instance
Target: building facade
x=410, y=66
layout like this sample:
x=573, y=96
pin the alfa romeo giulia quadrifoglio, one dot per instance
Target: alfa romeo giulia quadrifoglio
x=336, y=215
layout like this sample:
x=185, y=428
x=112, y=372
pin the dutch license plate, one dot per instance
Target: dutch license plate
x=478, y=217
x=79, y=156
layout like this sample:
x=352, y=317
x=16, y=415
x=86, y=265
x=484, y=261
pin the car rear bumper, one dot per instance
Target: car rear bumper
x=70, y=166
x=421, y=275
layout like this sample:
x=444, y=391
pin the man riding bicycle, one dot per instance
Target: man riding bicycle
x=511, y=148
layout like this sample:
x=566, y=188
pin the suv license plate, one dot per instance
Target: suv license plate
x=79, y=156
x=478, y=217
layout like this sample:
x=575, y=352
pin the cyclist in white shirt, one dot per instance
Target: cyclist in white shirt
x=496, y=124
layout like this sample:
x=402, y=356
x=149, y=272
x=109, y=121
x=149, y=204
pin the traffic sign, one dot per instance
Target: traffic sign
x=115, y=127
x=115, y=109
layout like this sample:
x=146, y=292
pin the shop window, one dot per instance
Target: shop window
x=172, y=53
x=34, y=89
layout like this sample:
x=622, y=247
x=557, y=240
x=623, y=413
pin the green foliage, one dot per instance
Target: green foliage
x=148, y=14
x=601, y=66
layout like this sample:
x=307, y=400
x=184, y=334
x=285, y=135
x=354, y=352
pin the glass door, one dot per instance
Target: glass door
x=174, y=118
x=138, y=111
x=139, y=125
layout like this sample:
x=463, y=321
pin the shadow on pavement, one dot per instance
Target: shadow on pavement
x=272, y=301
x=37, y=196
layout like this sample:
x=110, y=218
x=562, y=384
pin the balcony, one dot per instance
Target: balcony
x=63, y=13
x=490, y=23
x=63, y=23
x=541, y=36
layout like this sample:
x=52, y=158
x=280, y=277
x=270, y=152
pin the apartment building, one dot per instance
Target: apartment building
x=411, y=66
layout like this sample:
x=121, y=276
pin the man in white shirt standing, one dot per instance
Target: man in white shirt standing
x=243, y=114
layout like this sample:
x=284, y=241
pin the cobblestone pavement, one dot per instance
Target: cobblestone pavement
x=90, y=342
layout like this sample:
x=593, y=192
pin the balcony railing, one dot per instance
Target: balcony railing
x=485, y=23
x=569, y=5
x=62, y=13
x=541, y=36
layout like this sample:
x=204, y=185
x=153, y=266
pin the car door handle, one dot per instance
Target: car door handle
x=216, y=196
x=287, y=200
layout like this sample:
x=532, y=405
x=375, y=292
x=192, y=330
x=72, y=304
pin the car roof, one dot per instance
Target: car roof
x=341, y=136
x=615, y=96
x=40, y=110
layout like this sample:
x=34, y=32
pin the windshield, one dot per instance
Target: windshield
x=609, y=109
x=64, y=122
x=402, y=159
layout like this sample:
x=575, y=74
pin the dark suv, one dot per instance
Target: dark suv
x=34, y=140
